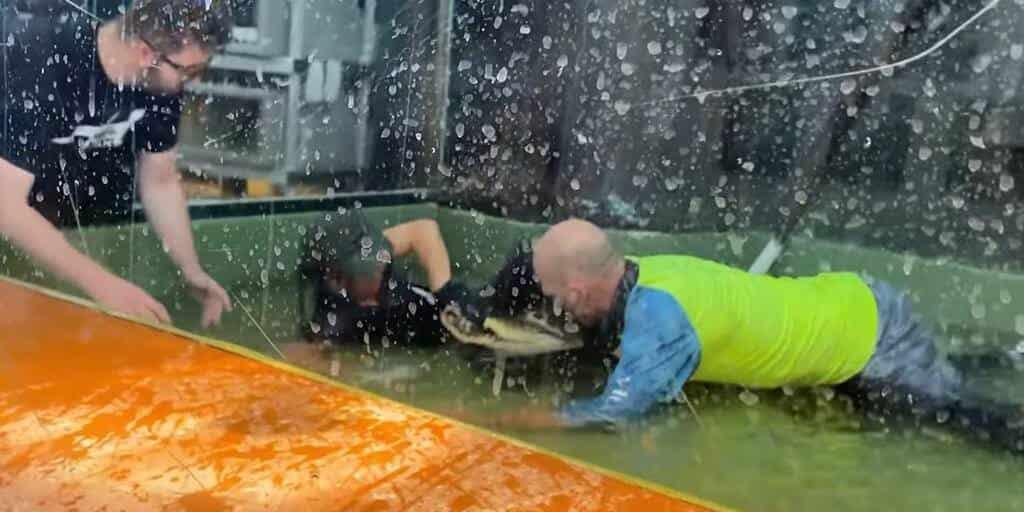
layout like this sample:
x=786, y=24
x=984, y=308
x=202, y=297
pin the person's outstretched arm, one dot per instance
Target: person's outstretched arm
x=166, y=206
x=659, y=353
x=423, y=238
x=31, y=232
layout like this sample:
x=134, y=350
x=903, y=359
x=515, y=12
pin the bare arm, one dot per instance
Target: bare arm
x=423, y=237
x=166, y=206
x=32, y=233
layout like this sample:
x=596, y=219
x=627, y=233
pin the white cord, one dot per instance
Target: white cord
x=781, y=83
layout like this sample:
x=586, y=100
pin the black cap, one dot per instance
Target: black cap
x=347, y=243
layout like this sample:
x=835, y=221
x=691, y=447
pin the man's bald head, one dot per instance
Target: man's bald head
x=575, y=262
x=576, y=246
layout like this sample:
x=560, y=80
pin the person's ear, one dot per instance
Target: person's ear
x=145, y=55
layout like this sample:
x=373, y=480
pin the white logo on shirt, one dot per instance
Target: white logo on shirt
x=110, y=135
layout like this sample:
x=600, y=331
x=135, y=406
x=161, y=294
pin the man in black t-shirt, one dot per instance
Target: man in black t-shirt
x=88, y=114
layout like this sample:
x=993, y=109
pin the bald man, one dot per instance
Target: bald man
x=680, y=318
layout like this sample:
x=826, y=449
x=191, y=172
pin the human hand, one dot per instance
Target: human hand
x=119, y=295
x=210, y=294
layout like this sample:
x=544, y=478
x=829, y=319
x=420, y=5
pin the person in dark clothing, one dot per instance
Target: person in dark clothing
x=88, y=115
x=358, y=296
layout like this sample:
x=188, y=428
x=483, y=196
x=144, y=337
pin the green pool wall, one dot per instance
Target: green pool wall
x=256, y=257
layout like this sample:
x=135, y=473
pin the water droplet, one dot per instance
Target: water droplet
x=974, y=165
x=1016, y=51
x=546, y=42
x=627, y=68
x=978, y=311
x=497, y=21
x=464, y=65
x=622, y=107
x=701, y=12
x=856, y=221
x=675, y=67
x=929, y=87
x=574, y=184
x=621, y=50
x=520, y=9
x=857, y=35
x=801, y=197
x=841, y=4
x=848, y=86
x=1005, y=297
x=1006, y=183
x=525, y=29
x=748, y=166
x=489, y=132
x=976, y=224
x=749, y=398
x=91, y=191
x=563, y=60
x=980, y=63
x=502, y=75
x=1019, y=324
x=654, y=48
x=977, y=141
x=412, y=308
x=460, y=130
x=748, y=14
x=924, y=153
x=332, y=318
x=789, y=11
x=29, y=104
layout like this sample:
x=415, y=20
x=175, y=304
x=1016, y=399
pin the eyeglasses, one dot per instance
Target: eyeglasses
x=188, y=72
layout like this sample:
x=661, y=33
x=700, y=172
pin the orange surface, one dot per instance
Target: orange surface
x=99, y=413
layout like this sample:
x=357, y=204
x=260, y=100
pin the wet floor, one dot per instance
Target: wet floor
x=98, y=413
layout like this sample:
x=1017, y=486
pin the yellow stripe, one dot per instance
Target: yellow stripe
x=302, y=372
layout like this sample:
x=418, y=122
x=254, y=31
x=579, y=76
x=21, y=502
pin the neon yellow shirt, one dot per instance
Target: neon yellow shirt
x=763, y=331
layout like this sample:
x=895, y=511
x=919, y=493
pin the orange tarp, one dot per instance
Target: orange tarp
x=100, y=413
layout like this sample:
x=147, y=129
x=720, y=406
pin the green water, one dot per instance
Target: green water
x=799, y=451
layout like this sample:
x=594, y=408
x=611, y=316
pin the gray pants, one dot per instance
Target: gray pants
x=908, y=379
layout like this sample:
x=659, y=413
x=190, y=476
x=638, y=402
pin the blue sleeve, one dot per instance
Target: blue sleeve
x=660, y=351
